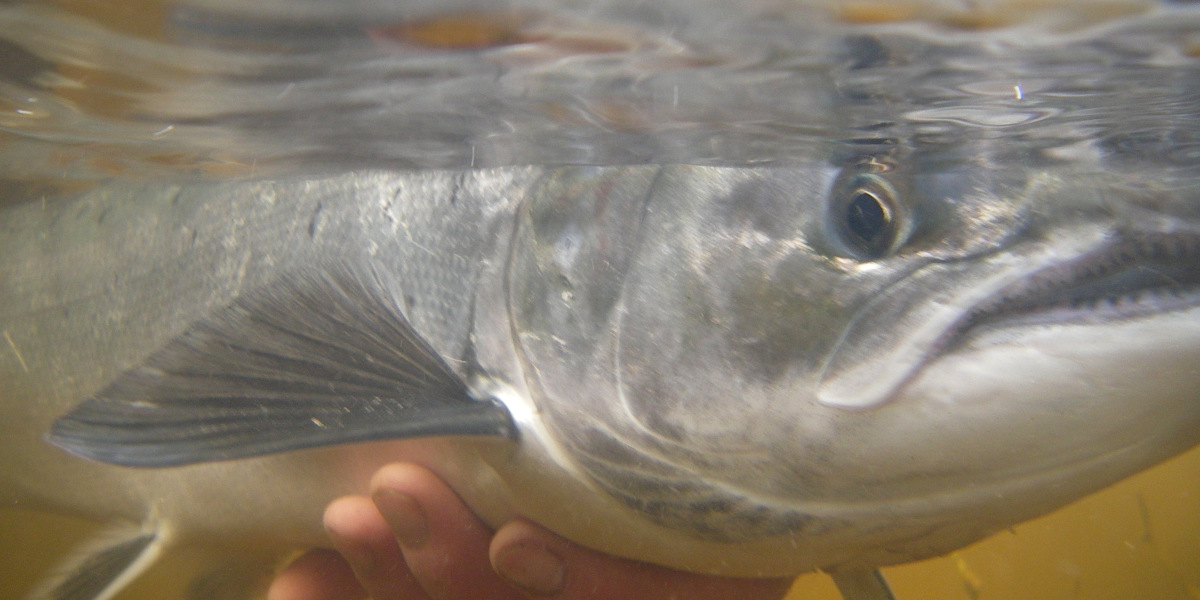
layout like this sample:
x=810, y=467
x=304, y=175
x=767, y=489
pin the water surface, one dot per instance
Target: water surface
x=221, y=87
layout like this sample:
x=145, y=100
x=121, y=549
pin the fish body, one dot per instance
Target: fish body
x=745, y=371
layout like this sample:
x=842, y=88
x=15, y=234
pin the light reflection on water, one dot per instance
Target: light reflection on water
x=93, y=90
x=198, y=87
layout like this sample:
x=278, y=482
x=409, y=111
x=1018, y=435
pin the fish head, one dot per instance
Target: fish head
x=861, y=355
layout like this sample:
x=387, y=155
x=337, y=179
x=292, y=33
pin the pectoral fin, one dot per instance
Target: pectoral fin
x=322, y=357
x=103, y=565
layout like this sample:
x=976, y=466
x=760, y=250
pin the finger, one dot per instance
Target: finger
x=318, y=575
x=364, y=539
x=444, y=544
x=545, y=565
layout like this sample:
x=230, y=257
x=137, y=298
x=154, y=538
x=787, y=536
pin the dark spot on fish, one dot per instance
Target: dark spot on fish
x=409, y=301
x=458, y=184
x=316, y=222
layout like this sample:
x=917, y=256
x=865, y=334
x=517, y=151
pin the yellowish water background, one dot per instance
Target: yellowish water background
x=1138, y=540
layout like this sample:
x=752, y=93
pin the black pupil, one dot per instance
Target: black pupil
x=866, y=218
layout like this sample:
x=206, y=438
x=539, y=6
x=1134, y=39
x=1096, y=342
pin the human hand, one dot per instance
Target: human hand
x=414, y=539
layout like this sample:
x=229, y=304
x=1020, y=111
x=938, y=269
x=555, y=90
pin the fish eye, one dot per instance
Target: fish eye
x=865, y=216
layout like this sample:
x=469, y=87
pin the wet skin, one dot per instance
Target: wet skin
x=413, y=538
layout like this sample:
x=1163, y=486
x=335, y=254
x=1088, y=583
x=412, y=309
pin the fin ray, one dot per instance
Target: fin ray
x=324, y=356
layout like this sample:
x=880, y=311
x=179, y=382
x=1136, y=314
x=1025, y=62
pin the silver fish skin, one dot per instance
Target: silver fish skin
x=745, y=371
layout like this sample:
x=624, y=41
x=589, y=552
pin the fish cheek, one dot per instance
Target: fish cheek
x=626, y=327
x=574, y=240
x=727, y=306
x=782, y=320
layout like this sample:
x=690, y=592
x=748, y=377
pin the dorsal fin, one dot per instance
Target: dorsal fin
x=323, y=356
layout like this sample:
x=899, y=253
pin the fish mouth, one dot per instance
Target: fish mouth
x=1135, y=276
x=1128, y=277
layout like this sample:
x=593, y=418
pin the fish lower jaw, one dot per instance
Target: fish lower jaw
x=1132, y=278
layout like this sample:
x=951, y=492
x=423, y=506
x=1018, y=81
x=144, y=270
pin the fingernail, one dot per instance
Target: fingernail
x=532, y=567
x=405, y=517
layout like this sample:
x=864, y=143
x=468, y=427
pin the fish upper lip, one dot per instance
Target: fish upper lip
x=1122, y=277
x=1135, y=275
